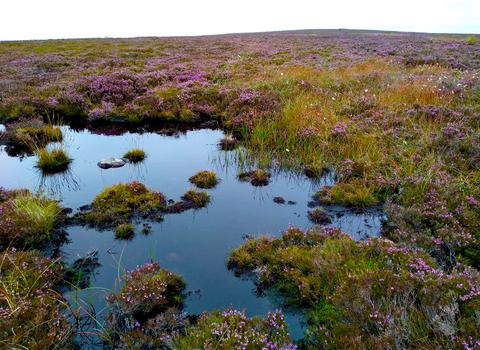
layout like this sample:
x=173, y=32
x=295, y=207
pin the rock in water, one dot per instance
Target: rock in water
x=111, y=163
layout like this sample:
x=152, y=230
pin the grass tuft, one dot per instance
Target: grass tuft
x=52, y=160
x=124, y=231
x=204, y=179
x=135, y=155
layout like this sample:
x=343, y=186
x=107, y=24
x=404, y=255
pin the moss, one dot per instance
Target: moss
x=319, y=216
x=204, y=179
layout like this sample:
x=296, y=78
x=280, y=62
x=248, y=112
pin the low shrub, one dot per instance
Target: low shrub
x=319, y=216
x=147, y=307
x=32, y=313
x=204, y=179
x=368, y=294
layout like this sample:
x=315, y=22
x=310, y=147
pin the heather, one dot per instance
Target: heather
x=32, y=313
x=394, y=119
x=368, y=294
x=147, y=314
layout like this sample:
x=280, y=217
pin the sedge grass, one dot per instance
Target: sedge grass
x=52, y=159
x=135, y=155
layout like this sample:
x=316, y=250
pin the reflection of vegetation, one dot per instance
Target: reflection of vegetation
x=54, y=183
x=204, y=179
x=33, y=314
x=79, y=274
x=365, y=294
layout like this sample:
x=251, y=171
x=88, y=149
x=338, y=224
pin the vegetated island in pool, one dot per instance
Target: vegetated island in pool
x=396, y=116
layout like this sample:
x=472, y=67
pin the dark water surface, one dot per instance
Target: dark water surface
x=194, y=244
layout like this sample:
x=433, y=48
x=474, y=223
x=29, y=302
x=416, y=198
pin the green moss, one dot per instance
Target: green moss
x=204, y=179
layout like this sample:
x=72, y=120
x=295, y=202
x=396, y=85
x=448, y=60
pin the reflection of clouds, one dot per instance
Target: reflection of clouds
x=53, y=184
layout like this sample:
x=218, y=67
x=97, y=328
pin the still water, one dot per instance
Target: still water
x=195, y=243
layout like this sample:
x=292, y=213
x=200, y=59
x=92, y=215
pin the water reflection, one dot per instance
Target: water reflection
x=55, y=184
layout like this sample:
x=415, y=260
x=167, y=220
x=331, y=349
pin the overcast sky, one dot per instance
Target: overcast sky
x=54, y=19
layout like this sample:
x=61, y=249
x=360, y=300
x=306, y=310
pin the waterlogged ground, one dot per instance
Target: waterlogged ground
x=195, y=243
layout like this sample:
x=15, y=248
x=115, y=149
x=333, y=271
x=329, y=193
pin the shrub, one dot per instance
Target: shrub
x=146, y=307
x=135, y=155
x=368, y=294
x=319, y=216
x=204, y=179
x=231, y=329
x=32, y=314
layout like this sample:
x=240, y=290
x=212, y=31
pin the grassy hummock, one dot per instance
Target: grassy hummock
x=200, y=199
x=258, y=177
x=135, y=155
x=204, y=179
x=365, y=294
x=124, y=231
x=26, y=217
x=119, y=202
x=52, y=160
x=31, y=132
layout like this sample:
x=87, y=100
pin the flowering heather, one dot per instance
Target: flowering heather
x=366, y=294
x=32, y=314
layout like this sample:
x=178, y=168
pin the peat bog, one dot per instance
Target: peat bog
x=336, y=177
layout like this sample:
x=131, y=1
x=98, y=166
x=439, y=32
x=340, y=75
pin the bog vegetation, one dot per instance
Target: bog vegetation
x=395, y=116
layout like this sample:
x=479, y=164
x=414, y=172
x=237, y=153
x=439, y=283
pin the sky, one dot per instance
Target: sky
x=59, y=19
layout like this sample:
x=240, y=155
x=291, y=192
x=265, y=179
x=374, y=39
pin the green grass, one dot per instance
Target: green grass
x=52, y=160
x=135, y=155
x=36, y=214
x=204, y=179
x=124, y=231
